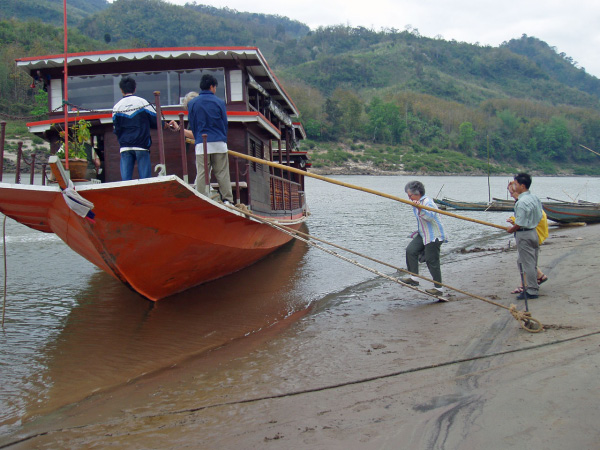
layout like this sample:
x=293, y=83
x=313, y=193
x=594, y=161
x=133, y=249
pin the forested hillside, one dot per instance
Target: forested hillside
x=388, y=99
x=50, y=11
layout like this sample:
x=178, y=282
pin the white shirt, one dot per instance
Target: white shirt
x=212, y=147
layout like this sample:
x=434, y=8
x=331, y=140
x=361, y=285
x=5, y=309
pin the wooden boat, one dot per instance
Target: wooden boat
x=158, y=235
x=494, y=205
x=568, y=212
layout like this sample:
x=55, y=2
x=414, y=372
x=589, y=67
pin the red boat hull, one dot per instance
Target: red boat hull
x=157, y=235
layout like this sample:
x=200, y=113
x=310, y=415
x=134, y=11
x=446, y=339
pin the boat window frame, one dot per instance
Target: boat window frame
x=113, y=92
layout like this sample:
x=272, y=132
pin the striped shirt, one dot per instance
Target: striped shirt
x=429, y=223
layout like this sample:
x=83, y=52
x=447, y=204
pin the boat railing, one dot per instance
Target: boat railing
x=285, y=194
x=246, y=175
x=21, y=160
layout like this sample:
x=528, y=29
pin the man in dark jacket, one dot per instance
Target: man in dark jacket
x=132, y=119
x=208, y=115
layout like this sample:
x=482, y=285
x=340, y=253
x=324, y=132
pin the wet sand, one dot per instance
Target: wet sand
x=379, y=367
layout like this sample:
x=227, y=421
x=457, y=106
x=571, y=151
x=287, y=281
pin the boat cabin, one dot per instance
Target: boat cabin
x=262, y=117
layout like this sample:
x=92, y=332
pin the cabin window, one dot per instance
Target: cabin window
x=235, y=80
x=98, y=92
x=256, y=150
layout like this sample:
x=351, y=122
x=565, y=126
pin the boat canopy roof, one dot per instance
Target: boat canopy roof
x=250, y=57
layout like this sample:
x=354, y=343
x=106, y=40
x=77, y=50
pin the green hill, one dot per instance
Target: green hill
x=395, y=100
x=50, y=11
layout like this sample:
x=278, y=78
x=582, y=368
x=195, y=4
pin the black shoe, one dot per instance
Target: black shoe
x=521, y=296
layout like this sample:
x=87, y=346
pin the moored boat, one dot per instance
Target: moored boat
x=158, y=235
x=494, y=205
x=569, y=212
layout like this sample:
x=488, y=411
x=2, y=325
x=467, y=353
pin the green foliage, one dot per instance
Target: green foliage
x=79, y=137
x=466, y=138
x=51, y=12
x=41, y=103
x=385, y=124
x=444, y=100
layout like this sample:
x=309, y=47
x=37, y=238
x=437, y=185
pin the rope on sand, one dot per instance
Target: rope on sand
x=523, y=317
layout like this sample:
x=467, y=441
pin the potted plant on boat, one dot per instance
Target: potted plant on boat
x=79, y=137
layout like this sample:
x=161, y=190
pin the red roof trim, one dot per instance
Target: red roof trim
x=70, y=119
x=165, y=112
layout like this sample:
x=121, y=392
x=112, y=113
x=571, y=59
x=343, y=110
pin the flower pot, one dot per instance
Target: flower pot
x=77, y=167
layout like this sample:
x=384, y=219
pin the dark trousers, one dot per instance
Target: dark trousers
x=432, y=257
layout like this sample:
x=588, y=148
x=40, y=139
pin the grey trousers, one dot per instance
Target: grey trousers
x=432, y=257
x=220, y=166
x=528, y=248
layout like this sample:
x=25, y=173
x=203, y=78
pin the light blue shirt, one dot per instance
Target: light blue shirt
x=528, y=210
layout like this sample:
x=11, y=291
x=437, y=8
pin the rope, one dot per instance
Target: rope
x=524, y=317
x=295, y=234
x=299, y=392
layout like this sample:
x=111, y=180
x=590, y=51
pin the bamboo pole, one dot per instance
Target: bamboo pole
x=363, y=189
x=589, y=149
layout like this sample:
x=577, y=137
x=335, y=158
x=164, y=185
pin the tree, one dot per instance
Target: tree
x=466, y=138
x=385, y=125
x=350, y=108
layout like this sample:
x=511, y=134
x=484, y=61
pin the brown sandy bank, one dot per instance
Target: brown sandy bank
x=380, y=368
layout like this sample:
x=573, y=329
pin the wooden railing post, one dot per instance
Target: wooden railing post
x=237, y=179
x=2, y=136
x=159, y=129
x=183, y=147
x=19, y=156
x=248, y=191
x=32, y=171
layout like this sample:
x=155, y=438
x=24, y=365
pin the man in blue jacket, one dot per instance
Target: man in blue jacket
x=207, y=115
x=132, y=119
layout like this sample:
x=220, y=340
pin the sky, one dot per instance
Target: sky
x=572, y=27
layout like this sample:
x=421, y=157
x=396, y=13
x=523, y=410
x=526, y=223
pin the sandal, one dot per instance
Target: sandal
x=517, y=290
x=542, y=279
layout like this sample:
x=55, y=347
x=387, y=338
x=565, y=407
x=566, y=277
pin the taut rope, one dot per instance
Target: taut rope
x=523, y=317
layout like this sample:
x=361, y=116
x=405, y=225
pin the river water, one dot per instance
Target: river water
x=72, y=330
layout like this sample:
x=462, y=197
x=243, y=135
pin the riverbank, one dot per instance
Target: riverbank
x=381, y=367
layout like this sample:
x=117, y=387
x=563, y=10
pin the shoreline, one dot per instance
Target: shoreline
x=379, y=367
x=376, y=173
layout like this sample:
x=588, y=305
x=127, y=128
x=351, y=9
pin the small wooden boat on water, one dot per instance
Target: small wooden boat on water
x=495, y=205
x=568, y=212
x=158, y=235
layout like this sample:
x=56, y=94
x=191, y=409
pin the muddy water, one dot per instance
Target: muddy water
x=72, y=330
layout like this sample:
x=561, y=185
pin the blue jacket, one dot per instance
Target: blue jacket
x=132, y=119
x=207, y=115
